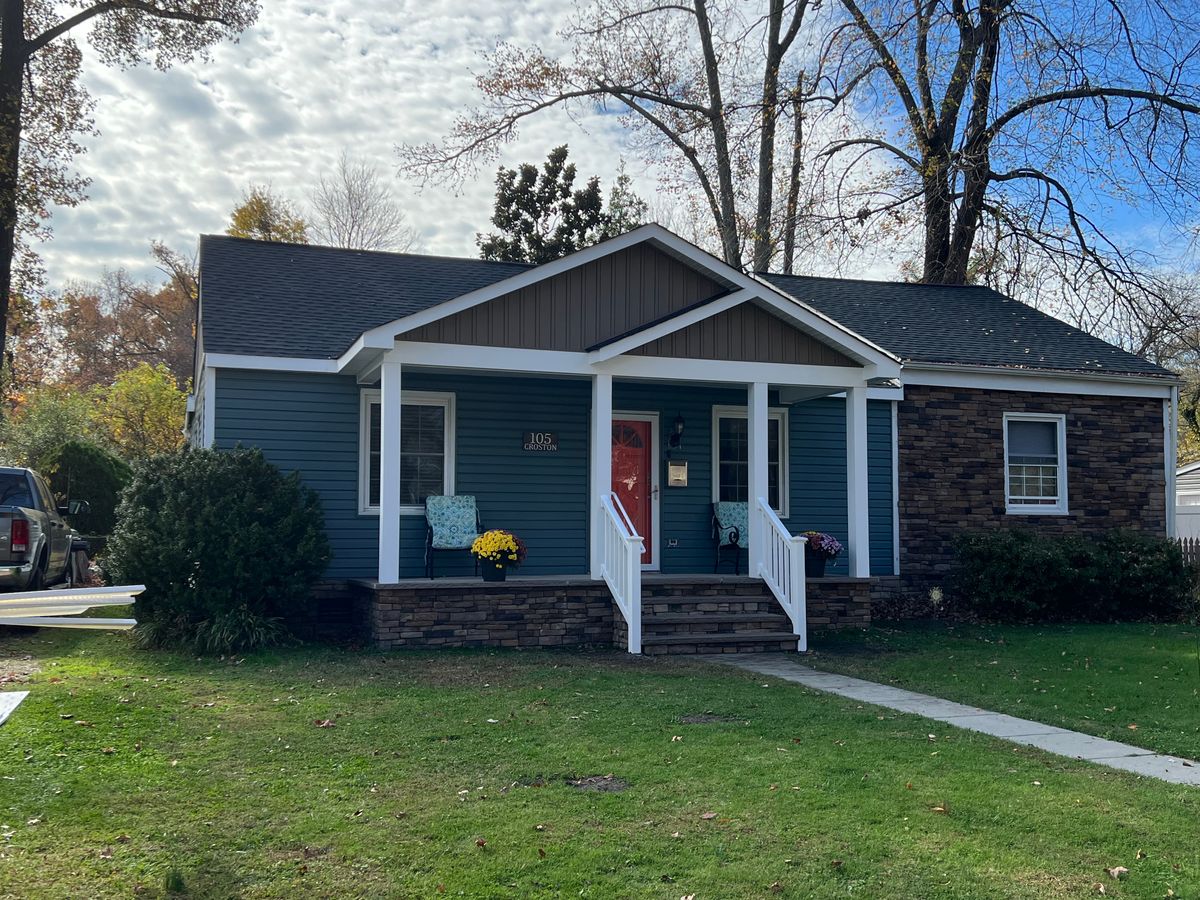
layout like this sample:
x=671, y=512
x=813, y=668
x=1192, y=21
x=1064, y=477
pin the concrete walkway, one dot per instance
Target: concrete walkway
x=1017, y=731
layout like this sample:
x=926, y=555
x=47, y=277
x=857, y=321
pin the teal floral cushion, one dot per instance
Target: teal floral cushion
x=452, y=520
x=733, y=522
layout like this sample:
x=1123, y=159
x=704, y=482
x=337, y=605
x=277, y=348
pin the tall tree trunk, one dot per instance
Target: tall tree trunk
x=766, y=142
x=938, y=212
x=727, y=223
x=12, y=64
x=792, y=210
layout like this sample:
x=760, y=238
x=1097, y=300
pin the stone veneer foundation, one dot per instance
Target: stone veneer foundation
x=561, y=612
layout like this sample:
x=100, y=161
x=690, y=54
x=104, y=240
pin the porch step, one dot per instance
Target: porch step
x=707, y=604
x=713, y=618
x=728, y=642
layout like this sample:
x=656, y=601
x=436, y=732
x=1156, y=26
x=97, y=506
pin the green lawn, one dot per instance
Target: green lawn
x=1134, y=683
x=446, y=775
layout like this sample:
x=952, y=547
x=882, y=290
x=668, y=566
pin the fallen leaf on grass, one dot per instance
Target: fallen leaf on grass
x=539, y=827
x=106, y=853
x=325, y=723
x=1099, y=888
x=83, y=723
x=123, y=839
x=1132, y=726
x=835, y=863
x=776, y=887
x=109, y=750
x=541, y=853
x=1141, y=854
x=709, y=815
x=1117, y=872
x=939, y=809
x=480, y=843
x=676, y=738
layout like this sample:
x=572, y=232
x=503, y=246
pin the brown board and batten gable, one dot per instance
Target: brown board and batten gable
x=745, y=332
x=585, y=306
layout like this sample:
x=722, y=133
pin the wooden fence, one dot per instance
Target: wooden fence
x=1191, y=549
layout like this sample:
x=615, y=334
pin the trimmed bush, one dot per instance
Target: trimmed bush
x=80, y=470
x=1018, y=575
x=227, y=546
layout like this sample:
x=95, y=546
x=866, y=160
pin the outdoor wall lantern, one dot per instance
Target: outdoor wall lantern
x=676, y=468
x=676, y=439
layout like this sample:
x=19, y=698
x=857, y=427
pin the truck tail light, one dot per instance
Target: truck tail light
x=20, y=536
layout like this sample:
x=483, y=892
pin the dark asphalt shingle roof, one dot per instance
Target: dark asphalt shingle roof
x=267, y=299
x=930, y=323
x=270, y=299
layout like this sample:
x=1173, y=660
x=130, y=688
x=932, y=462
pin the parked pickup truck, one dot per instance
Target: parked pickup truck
x=35, y=540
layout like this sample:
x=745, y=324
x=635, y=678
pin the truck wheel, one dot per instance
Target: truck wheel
x=37, y=578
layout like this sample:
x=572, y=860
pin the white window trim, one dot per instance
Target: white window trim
x=411, y=398
x=1039, y=509
x=778, y=413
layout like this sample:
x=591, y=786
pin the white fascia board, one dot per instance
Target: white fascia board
x=270, y=363
x=496, y=359
x=734, y=372
x=1038, y=382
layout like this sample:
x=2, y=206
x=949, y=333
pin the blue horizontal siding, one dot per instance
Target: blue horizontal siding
x=309, y=423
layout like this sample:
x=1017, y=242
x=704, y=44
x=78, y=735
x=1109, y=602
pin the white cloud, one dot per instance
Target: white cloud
x=176, y=149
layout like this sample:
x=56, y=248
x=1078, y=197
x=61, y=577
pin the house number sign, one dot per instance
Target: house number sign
x=540, y=442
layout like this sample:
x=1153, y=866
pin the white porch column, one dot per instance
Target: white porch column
x=859, y=552
x=757, y=456
x=600, y=481
x=389, y=473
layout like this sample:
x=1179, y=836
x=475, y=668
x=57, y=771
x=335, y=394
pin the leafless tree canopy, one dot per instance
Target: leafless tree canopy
x=1024, y=134
x=702, y=85
x=353, y=207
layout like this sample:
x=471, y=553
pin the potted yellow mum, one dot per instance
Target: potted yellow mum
x=496, y=550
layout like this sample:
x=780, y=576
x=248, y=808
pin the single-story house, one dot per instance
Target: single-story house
x=600, y=406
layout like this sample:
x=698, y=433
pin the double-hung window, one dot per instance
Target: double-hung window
x=731, y=456
x=1035, y=462
x=426, y=449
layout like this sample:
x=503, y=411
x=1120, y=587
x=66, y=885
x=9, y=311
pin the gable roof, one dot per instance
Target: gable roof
x=961, y=325
x=288, y=300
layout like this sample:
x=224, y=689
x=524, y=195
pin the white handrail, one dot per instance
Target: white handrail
x=621, y=551
x=781, y=566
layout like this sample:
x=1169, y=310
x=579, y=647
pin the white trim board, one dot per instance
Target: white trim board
x=1038, y=382
x=9, y=701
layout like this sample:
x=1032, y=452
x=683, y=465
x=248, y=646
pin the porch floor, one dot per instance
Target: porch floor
x=648, y=579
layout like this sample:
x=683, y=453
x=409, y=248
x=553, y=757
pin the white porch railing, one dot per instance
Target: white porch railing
x=782, y=568
x=621, y=565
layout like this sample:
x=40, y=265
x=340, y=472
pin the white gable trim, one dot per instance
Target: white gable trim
x=383, y=336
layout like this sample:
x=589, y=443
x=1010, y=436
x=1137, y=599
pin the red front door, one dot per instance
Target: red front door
x=632, y=476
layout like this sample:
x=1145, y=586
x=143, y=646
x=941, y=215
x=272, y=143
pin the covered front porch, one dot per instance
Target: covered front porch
x=818, y=458
x=601, y=405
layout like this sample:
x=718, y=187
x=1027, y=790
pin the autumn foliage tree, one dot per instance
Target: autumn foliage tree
x=264, y=215
x=45, y=110
x=141, y=413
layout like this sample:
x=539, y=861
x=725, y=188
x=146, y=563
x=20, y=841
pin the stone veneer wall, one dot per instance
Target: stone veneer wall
x=951, y=469
x=838, y=602
x=478, y=614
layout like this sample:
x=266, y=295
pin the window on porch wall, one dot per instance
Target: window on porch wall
x=424, y=451
x=732, y=462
